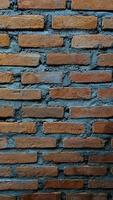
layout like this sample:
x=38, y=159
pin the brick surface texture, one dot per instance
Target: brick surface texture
x=56, y=99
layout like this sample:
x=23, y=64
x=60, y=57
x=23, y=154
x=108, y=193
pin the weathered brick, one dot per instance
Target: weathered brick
x=21, y=22
x=15, y=158
x=17, y=127
x=36, y=171
x=105, y=184
x=92, y=5
x=104, y=158
x=64, y=184
x=68, y=59
x=8, y=94
x=6, y=77
x=70, y=93
x=42, y=196
x=18, y=185
x=5, y=172
x=74, y=22
x=63, y=157
x=4, y=4
x=4, y=39
x=19, y=59
x=87, y=196
x=41, y=41
x=63, y=128
x=6, y=111
x=85, y=171
x=42, y=4
x=91, y=76
x=35, y=142
x=105, y=60
x=43, y=112
x=84, y=143
x=105, y=93
x=107, y=23
x=3, y=143
x=91, y=112
x=103, y=127
x=7, y=197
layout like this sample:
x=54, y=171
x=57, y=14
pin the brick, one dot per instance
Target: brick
x=107, y=23
x=42, y=4
x=6, y=77
x=5, y=172
x=7, y=197
x=4, y=39
x=105, y=184
x=105, y=93
x=103, y=127
x=104, y=158
x=105, y=60
x=3, y=143
x=64, y=184
x=63, y=157
x=91, y=76
x=42, y=196
x=17, y=127
x=70, y=93
x=74, y=22
x=19, y=59
x=36, y=171
x=68, y=59
x=35, y=142
x=87, y=196
x=92, y=5
x=91, y=112
x=25, y=22
x=6, y=111
x=42, y=77
x=63, y=128
x=18, y=94
x=112, y=143
x=41, y=41
x=92, y=41
x=84, y=143
x=18, y=185
x=16, y=158
x=85, y=171
x=43, y=112
x=4, y=4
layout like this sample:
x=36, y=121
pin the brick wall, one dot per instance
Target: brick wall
x=56, y=100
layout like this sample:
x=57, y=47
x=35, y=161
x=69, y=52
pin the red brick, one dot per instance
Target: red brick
x=18, y=94
x=63, y=128
x=3, y=143
x=5, y=172
x=87, y=196
x=104, y=158
x=92, y=41
x=103, y=127
x=43, y=112
x=4, y=4
x=68, y=59
x=105, y=93
x=92, y=5
x=36, y=171
x=107, y=23
x=41, y=41
x=64, y=184
x=85, y=171
x=105, y=60
x=6, y=77
x=84, y=143
x=91, y=77
x=18, y=185
x=104, y=184
x=70, y=93
x=91, y=112
x=19, y=59
x=21, y=22
x=32, y=142
x=42, y=77
x=17, y=127
x=43, y=196
x=42, y=4
x=63, y=157
x=15, y=158
x=6, y=111
x=74, y=22
x=4, y=39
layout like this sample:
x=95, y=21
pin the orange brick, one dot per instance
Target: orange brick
x=6, y=77
x=103, y=127
x=104, y=158
x=42, y=4
x=6, y=111
x=5, y=172
x=4, y=4
x=107, y=23
x=18, y=185
x=3, y=143
x=21, y=22
x=74, y=22
x=105, y=60
x=105, y=93
x=43, y=196
x=4, y=39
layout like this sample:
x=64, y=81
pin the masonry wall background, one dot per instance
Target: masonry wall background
x=56, y=99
